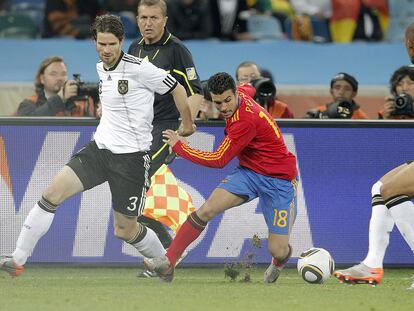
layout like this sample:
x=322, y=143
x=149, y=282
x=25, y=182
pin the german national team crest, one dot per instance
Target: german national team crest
x=123, y=87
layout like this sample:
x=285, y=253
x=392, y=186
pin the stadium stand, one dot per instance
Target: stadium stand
x=17, y=25
x=35, y=9
x=264, y=27
x=401, y=15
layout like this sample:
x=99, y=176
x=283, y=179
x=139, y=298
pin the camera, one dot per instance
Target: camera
x=340, y=110
x=265, y=91
x=403, y=105
x=337, y=110
x=85, y=89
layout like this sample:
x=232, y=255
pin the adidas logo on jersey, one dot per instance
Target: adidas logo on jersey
x=109, y=78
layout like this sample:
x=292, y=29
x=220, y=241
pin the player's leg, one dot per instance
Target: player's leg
x=381, y=224
x=235, y=191
x=279, y=205
x=65, y=184
x=159, y=152
x=128, y=181
x=281, y=252
x=397, y=191
x=219, y=201
x=142, y=238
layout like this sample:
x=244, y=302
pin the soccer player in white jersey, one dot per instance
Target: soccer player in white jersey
x=391, y=205
x=119, y=152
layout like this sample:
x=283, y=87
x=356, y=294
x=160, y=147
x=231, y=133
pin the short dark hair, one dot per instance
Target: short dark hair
x=345, y=77
x=398, y=75
x=108, y=23
x=159, y=3
x=245, y=64
x=221, y=82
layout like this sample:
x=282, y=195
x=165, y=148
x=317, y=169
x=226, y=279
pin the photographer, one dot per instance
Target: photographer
x=265, y=95
x=55, y=94
x=344, y=88
x=400, y=104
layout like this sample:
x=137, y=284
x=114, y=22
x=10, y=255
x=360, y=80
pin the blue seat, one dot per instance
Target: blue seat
x=264, y=27
x=401, y=15
x=17, y=25
x=31, y=2
x=34, y=9
x=129, y=22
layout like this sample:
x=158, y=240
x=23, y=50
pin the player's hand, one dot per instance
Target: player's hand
x=186, y=130
x=170, y=137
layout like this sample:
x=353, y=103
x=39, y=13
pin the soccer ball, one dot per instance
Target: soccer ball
x=316, y=265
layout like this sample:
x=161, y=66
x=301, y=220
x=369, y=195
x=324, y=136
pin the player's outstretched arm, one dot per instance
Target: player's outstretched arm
x=187, y=126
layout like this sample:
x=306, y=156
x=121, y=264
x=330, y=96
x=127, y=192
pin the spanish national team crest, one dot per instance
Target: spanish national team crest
x=123, y=87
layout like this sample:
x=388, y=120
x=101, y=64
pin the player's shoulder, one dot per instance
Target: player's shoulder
x=131, y=59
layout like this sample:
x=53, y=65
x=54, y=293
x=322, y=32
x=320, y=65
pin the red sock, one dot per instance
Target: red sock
x=281, y=263
x=189, y=231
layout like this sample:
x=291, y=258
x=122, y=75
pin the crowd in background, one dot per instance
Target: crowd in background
x=305, y=20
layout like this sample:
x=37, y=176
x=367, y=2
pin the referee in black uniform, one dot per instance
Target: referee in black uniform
x=166, y=51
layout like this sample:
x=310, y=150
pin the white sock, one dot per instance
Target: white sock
x=150, y=246
x=37, y=223
x=403, y=215
x=380, y=226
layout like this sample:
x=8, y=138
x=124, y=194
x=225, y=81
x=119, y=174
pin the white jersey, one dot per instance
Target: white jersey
x=126, y=92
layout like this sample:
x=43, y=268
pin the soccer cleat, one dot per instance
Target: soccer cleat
x=150, y=274
x=161, y=266
x=7, y=264
x=360, y=274
x=147, y=274
x=271, y=274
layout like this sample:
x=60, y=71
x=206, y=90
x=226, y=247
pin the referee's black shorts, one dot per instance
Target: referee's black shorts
x=126, y=173
x=158, y=155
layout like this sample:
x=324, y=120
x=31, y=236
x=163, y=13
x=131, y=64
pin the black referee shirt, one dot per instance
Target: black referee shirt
x=170, y=54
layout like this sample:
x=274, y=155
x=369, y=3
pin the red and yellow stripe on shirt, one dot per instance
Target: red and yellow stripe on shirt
x=167, y=201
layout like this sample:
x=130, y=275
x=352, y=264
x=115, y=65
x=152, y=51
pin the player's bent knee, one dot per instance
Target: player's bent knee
x=124, y=233
x=52, y=195
x=206, y=213
x=388, y=191
x=121, y=233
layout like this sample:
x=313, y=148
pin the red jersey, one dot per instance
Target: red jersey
x=253, y=136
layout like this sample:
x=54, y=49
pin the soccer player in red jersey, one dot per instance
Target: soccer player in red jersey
x=267, y=170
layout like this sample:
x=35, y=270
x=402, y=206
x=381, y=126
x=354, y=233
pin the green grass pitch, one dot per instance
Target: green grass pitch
x=62, y=288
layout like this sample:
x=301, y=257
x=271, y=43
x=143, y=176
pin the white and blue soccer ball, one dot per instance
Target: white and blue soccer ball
x=316, y=265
